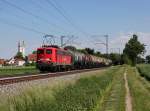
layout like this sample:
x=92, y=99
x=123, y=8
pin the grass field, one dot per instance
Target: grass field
x=104, y=91
x=114, y=98
x=144, y=70
x=85, y=95
x=139, y=92
x=10, y=71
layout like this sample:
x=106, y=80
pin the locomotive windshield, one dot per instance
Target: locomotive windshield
x=48, y=51
x=40, y=51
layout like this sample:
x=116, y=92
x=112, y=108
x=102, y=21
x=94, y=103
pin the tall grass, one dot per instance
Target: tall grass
x=84, y=95
x=10, y=71
x=114, y=98
x=144, y=70
x=140, y=94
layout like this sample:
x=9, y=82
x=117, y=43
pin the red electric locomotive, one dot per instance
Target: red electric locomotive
x=50, y=58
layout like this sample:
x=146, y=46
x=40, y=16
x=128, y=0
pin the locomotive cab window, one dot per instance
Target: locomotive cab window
x=48, y=51
x=40, y=51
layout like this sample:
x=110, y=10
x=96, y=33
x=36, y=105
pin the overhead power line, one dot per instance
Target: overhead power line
x=70, y=40
x=47, y=12
x=66, y=18
x=21, y=27
x=31, y=14
x=104, y=43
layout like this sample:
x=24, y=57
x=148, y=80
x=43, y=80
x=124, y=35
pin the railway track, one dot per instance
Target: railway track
x=12, y=80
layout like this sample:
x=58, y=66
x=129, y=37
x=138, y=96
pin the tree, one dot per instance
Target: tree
x=70, y=47
x=132, y=50
x=82, y=51
x=115, y=57
x=98, y=54
x=148, y=59
x=89, y=51
x=19, y=55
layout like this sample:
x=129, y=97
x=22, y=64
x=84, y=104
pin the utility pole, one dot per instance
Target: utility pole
x=118, y=53
x=107, y=47
x=118, y=50
x=105, y=43
x=120, y=56
x=62, y=42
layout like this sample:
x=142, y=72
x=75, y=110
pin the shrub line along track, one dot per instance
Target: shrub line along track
x=11, y=80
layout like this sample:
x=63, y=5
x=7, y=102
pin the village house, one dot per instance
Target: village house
x=15, y=62
x=2, y=62
x=19, y=62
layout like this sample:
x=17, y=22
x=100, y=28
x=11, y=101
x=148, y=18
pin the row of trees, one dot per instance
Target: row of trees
x=131, y=55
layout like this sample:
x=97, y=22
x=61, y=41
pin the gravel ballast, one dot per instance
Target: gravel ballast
x=17, y=88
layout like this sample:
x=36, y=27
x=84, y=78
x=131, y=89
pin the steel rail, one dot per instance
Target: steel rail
x=12, y=80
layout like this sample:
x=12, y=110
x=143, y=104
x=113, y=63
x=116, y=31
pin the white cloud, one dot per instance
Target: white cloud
x=122, y=38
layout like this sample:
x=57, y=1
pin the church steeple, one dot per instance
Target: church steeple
x=21, y=47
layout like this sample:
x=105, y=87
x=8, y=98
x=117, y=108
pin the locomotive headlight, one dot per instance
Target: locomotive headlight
x=48, y=59
x=40, y=60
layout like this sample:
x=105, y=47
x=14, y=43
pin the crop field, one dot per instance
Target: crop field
x=144, y=70
x=10, y=71
x=103, y=91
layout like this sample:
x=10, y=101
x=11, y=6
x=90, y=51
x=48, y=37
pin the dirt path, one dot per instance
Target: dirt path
x=128, y=100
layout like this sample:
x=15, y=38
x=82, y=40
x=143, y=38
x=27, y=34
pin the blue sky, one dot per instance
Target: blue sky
x=117, y=18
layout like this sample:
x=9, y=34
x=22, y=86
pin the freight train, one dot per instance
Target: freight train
x=52, y=58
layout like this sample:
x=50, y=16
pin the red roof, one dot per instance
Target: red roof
x=2, y=61
x=32, y=57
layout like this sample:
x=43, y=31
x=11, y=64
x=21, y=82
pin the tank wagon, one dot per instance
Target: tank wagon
x=50, y=58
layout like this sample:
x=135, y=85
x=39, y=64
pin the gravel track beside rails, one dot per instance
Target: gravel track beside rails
x=12, y=80
x=17, y=88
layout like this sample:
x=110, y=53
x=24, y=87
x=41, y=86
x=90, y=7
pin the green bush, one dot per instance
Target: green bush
x=144, y=70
